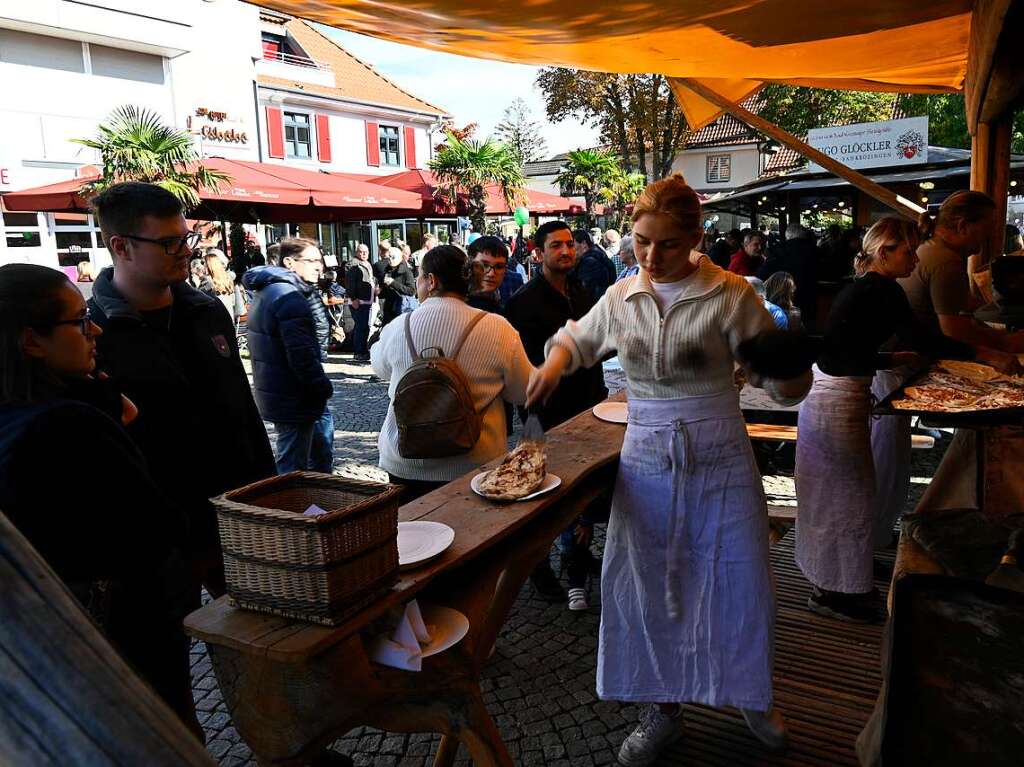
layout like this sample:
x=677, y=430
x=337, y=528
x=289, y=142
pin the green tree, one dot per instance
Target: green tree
x=638, y=115
x=620, y=192
x=466, y=167
x=590, y=173
x=798, y=109
x=521, y=133
x=947, y=120
x=134, y=145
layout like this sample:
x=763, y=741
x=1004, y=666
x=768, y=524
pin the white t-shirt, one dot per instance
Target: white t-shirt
x=668, y=292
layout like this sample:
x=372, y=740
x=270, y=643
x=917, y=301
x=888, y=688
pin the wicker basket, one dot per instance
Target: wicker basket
x=321, y=569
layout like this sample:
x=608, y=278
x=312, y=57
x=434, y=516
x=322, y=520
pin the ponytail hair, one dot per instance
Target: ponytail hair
x=886, y=234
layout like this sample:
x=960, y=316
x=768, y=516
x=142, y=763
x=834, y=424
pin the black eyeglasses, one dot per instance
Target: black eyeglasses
x=173, y=246
x=84, y=323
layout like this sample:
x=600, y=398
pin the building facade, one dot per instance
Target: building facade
x=247, y=84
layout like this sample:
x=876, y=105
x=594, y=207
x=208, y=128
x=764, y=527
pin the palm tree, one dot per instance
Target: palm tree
x=465, y=166
x=587, y=172
x=134, y=145
x=621, y=191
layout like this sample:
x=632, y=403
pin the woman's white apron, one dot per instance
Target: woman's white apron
x=688, y=606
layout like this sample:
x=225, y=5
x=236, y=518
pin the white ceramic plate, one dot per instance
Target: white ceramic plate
x=422, y=541
x=446, y=627
x=551, y=481
x=613, y=412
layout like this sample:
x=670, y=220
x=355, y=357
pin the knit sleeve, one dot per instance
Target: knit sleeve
x=589, y=339
x=517, y=366
x=748, y=319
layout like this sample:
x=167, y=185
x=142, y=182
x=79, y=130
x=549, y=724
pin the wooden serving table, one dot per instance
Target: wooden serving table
x=292, y=688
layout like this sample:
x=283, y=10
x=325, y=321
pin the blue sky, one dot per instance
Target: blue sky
x=472, y=90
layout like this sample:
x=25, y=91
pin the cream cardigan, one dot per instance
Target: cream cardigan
x=493, y=360
x=689, y=350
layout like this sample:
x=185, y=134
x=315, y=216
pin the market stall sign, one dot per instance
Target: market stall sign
x=873, y=145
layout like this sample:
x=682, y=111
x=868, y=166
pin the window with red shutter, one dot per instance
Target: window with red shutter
x=372, y=145
x=323, y=138
x=275, y=132
x=410, y=147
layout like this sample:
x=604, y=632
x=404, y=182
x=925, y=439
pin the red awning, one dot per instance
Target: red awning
x=257, y=191
x=424, y=183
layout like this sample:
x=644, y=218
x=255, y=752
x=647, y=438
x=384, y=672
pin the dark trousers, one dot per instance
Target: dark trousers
x=362, y=330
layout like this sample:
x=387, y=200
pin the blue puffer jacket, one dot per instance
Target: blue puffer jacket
x=289, y=380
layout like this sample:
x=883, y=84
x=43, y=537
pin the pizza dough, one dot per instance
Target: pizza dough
x=520, y=473
x=962, y=387
x=970, y=370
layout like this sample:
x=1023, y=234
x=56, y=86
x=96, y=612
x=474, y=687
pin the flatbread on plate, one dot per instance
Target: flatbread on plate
x=519, y=474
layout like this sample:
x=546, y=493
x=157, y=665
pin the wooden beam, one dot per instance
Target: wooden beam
x=995, y=70
x=999, y=184
x=900, y=204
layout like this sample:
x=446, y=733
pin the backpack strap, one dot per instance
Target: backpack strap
x=408, y=338
x=465, y=333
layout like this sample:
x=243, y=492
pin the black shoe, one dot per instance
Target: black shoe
x=546, y=583
x=853, y=608
x=361, y=358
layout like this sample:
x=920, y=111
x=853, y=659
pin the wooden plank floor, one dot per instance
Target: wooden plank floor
x=826, y=680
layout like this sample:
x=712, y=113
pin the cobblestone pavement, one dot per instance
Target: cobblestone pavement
x=539, y=686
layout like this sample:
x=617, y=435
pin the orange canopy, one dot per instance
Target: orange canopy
x=732, y=46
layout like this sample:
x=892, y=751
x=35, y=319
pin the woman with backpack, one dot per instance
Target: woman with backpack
x=446, y=419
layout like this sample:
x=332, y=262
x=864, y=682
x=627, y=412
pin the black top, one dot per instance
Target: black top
x=538, y=311
x=198, y=427
x=865, y=315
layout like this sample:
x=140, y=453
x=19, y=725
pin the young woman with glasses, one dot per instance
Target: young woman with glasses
x=77, y=487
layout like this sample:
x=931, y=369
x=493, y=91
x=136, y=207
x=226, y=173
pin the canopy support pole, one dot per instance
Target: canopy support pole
x=900, y=204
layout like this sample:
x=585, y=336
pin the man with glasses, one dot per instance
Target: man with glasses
x=490, y=265
x=288, y=331
x=171, y=349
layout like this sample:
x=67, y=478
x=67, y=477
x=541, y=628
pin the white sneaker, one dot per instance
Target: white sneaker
x=768, y=727
x=655, y=731
x=578, y=599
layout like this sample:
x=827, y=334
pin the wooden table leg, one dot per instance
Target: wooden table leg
x=447, y=751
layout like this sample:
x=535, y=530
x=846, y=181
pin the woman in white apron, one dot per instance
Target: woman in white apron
x=843, y=498
x=688, y=605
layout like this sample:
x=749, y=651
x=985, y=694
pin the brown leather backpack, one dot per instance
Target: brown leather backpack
x=433, y=402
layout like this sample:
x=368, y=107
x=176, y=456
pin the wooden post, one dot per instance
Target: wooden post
x=900, y=204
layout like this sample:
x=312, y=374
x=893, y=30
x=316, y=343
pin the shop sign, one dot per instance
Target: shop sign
x=213, y=125
x=873, y=145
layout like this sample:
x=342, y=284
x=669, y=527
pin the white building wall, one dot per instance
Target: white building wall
x=347, y=125
x=692, y=163
x=219, y=75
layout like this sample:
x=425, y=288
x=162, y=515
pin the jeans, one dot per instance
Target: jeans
x=362, y=329
x=306, y=446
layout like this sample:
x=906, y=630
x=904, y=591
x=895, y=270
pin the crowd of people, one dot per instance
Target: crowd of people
x=144, y=385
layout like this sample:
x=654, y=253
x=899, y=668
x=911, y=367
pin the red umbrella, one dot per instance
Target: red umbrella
x=256, y=191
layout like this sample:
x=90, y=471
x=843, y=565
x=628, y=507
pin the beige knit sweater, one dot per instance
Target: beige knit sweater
x=494, y=361
x=688, y=350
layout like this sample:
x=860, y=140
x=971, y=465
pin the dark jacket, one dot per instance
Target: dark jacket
x=359, y=280
x=537, y=311
x=198, y=427
x=403, y=284
x=286, y=352
x=78, y=489
x=721, y=253
x=799, y=257
x=596, y=272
